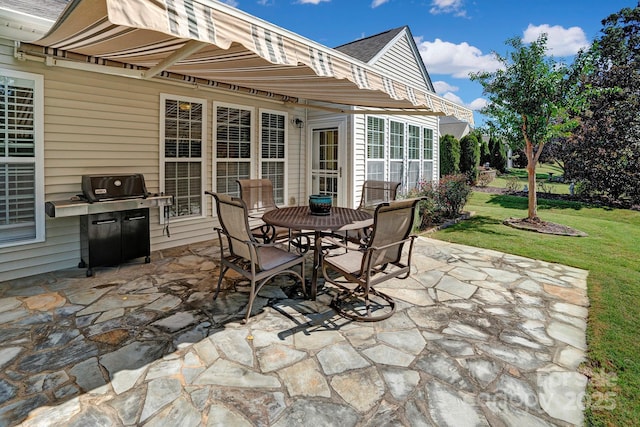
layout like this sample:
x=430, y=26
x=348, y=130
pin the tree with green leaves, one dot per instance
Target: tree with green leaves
x=449, y=155
x=605, y=148
x=528, y=100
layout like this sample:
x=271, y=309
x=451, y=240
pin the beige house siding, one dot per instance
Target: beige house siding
x=398, y=60
x=102, y=124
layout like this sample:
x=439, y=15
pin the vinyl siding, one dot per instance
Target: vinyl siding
x=102, y=124
x=398, y=61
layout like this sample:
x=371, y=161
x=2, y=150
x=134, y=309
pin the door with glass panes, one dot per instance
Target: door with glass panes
x=326, y=163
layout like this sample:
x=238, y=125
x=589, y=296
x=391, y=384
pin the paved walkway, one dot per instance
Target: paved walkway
x=479, y=338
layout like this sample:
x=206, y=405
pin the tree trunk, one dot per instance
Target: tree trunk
x=533, y=197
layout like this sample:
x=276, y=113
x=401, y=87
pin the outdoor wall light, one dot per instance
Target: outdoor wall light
x=297, y=122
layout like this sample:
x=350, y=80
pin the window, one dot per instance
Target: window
x=233, y=148
x=413, y=157
x=427, y=155
x=183, y=139
x=272, y=151
x=375, y=148
x=404, y=154
x=396, y=152
x=21, y=158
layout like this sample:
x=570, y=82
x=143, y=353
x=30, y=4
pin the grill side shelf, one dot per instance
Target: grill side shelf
x=66, y=208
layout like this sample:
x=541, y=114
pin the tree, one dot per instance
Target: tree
x=606, y=146
x=449, y=155
x=497, y=154
x=527, y=102
x=470, y=157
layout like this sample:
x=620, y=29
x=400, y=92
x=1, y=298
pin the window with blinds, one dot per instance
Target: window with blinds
x=273, y=151
x=427, y=155
x=403, y=154
x=233, y=148
x=184, y=129
x=375, y=148
x=20, y=146
x=396, y=151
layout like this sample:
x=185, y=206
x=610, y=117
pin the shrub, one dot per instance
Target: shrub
x=498, y=154
x=513, y=184
x=449, y=155
x=452, y=194
x=442, y=200
x=470, y=157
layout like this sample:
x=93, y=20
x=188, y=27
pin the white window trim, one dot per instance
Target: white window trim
x=38, y=106
x=405, y=159
x=203, y=159
x=285, y=160
x=254, y=146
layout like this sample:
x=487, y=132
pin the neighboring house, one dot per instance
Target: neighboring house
x=453, y=126
x=193, y=97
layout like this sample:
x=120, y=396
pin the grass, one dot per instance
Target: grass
x=542, y=176
x=611, y=254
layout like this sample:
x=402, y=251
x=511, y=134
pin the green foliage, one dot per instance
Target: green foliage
x=443, y=200
x=449, y=155
x=605, y=149
x=497, y=154
x=485, y=150
x=470, y=157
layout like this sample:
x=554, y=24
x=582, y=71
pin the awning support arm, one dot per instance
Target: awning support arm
x=190, y=47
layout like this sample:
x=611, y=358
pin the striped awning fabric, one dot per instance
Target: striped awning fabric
x=205, y=39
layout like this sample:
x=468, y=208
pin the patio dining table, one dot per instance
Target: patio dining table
x=301, y=218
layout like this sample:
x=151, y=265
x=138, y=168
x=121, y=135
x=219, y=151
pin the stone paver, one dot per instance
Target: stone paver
x=479, y=338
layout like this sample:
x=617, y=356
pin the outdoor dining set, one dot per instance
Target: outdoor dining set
x=353, y=249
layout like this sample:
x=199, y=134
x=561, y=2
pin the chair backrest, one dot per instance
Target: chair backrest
x=392, y=222
x=257, y=195
x=233, y=218
x=377, y=192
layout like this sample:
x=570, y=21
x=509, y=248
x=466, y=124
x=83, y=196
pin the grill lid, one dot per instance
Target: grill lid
x=96, y=188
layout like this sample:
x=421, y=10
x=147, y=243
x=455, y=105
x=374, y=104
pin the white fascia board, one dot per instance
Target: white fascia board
x=21, y=26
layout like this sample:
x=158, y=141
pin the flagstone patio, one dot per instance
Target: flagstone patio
x=479, y=338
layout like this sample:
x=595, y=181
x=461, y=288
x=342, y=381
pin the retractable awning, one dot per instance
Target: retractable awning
x=206, y=40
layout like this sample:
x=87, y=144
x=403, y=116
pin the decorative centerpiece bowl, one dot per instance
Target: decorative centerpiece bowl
x=320, y=204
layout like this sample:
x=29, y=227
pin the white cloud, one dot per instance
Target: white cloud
x=443, y=87
x=376, y=3
x=448, y=6
x=560, y=41
x=478, y=104
x=311, y=1
x=232, y=3
x=457, y=60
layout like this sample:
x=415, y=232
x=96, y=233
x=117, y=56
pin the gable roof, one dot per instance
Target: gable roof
x=373, y=49
x=367, y=48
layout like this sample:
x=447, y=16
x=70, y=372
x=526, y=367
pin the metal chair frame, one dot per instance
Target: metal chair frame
x=257, y=194
x=382, y=258
x=241, y=252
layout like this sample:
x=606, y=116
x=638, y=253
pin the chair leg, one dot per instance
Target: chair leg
x=252, y=297
x=223, y=270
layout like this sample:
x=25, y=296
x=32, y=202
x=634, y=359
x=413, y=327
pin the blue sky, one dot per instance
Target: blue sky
x=454, y=37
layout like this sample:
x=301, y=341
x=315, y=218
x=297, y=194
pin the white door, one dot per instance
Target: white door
x=326, y=163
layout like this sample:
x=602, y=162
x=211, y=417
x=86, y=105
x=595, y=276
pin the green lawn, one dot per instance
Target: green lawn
x=611, y=253
x=542, y=176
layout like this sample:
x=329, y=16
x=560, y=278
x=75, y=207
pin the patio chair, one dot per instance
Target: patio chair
x=257, y=194
x=373, y=193
x=241, y=252
x=383, y=257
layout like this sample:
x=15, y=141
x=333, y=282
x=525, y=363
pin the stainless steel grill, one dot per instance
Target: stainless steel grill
x=114, y=218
